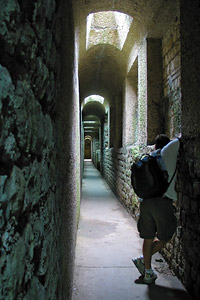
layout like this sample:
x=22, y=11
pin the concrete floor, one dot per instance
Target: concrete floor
x=107, y=239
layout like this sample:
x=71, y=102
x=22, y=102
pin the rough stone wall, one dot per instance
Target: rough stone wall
x=68, y=148
x=189, y=174
x=130, y=103
x=109, y=168
x=117, y=172
x=172, y=125
x=30, y=194
x=184, y=256
x=154, y=89
x=96, y=152
x=172, y=80
x=180, y=115
x=104, y=142
x=142, y=92
x=173, y=251
x=123, y=182
x=118, y=122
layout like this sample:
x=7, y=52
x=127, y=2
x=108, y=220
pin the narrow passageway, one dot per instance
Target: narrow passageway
x=107, y=239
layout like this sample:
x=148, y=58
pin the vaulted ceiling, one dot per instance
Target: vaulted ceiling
x=103, y=67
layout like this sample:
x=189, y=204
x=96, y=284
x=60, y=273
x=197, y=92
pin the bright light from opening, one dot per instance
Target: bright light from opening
x=94, y=98
x=89, y=122
x=109, y=27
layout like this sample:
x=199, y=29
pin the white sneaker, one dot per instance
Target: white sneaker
x=149, y=278
x=139, y=263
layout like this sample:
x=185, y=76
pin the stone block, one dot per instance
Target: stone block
x=36, y=290
x=15, y=265
x=196, y=188
x=6, y=85
x=186, y=202
x=13, y=193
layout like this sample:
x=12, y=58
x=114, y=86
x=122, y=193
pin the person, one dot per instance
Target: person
x=157, y=221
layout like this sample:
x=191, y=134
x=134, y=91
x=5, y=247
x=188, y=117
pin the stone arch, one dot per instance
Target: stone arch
x=93, y=116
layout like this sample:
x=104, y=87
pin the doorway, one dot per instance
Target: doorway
x=87, y=148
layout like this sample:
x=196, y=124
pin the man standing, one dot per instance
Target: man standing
x=157, y=222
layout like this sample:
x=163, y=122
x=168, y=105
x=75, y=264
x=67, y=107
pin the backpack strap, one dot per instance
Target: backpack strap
x=172, y=177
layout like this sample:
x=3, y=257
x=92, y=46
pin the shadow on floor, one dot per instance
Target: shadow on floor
x=156, y=292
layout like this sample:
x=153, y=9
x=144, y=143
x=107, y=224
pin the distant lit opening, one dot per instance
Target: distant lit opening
x=94, y=98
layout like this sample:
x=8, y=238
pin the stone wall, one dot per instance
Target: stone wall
x=172, y=126
x=123, y=182
x=154, y=89
x=189, y=174
x=68, y=148
x=30, y=189
x=172, y=80
x=117, y=172
x=96, y=152
x=182, y=251
x=188, y=191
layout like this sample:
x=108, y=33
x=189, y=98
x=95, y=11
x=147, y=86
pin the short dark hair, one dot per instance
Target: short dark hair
x=161, y=140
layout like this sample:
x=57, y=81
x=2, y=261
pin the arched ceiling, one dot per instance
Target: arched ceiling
x=103, y=67
x=92, y=114
x=91, y=107
x=101, y=70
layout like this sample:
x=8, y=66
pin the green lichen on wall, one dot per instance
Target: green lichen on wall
x=29, y=211
x=136, y=152
x=134, y=201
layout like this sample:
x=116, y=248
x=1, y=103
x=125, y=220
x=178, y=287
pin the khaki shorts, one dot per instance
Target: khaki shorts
x=157, y=219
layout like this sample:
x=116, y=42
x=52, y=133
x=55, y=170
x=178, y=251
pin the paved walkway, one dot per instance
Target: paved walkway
x=107, y=239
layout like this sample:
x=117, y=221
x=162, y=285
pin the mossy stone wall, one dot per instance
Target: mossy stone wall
x=32, y=152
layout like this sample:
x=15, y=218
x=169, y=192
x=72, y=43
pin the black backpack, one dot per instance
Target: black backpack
x=148, y=178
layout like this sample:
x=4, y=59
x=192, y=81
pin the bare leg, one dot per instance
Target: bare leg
x=150, y=247
x=157, y=245
x=147, y=252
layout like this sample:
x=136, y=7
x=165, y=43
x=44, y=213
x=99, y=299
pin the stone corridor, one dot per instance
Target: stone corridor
x=98, y=80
